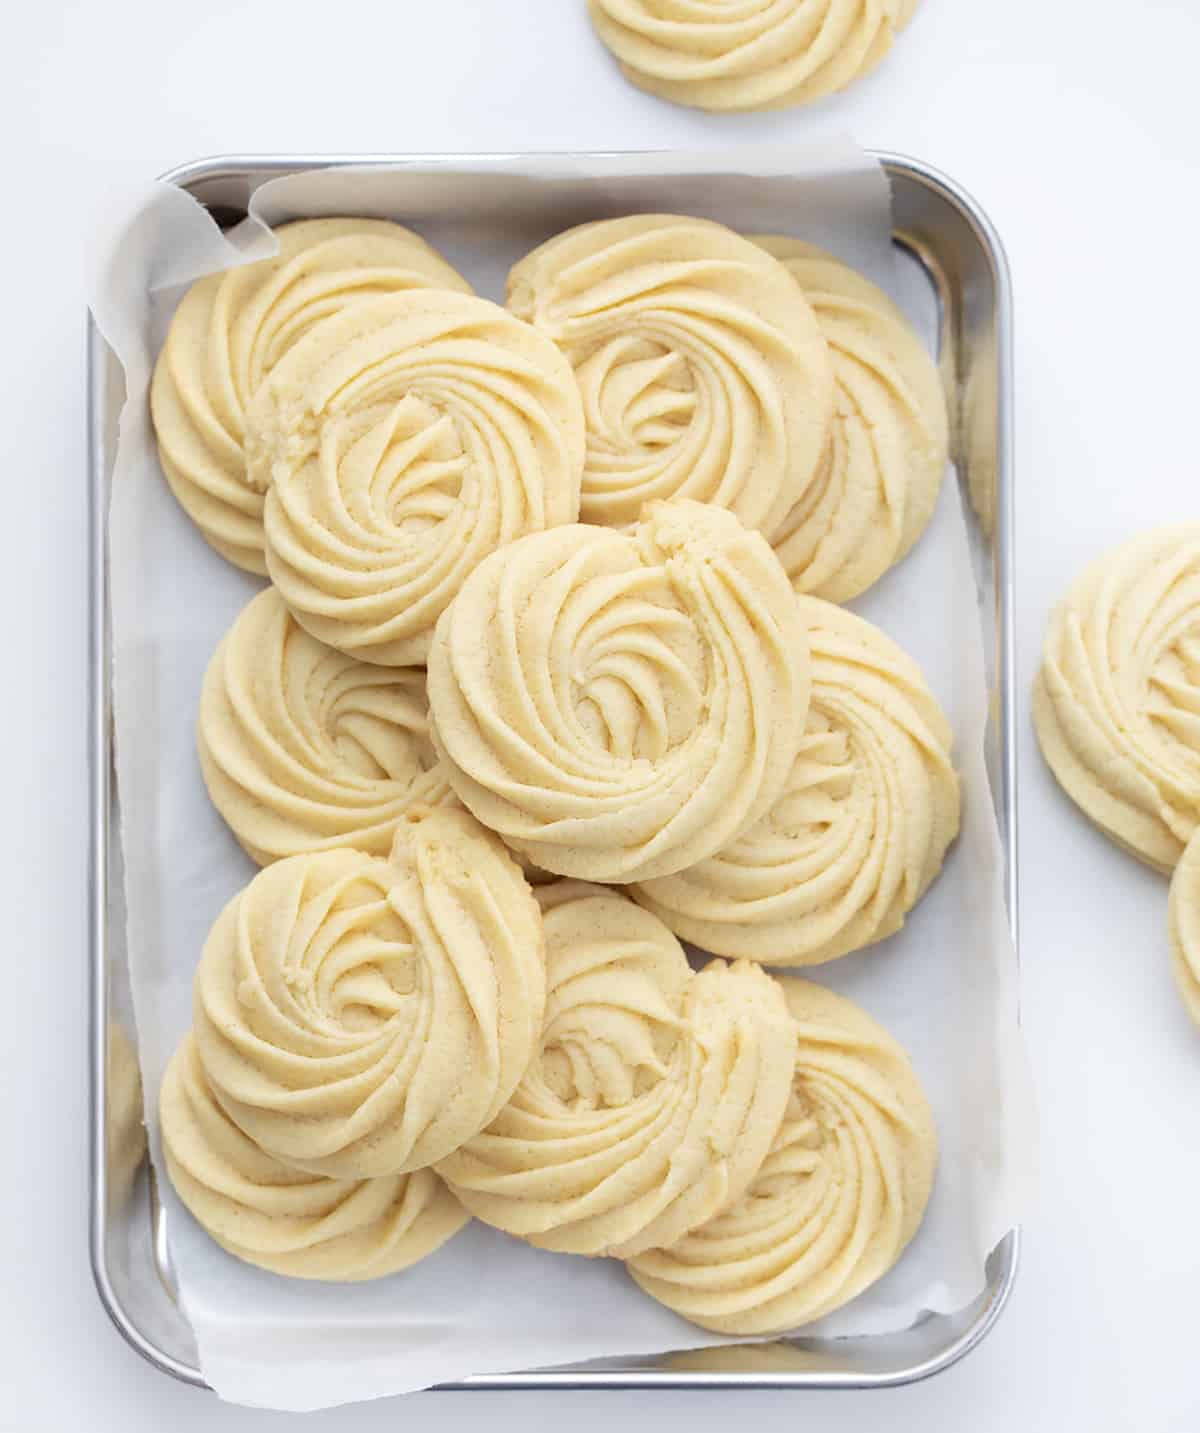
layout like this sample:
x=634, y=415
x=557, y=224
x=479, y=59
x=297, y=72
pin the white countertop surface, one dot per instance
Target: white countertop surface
x=1075, y=125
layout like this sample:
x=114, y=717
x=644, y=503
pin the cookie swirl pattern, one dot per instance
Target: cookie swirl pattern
x=305, y=749
x=359, y=1017
x=748, y=54
x=228, y=333
x=860, y=831
x=1116, y=704
x=704, y=374
x=403, y=441
x=618, y=706
x=889, y=445
x=836, y=1201
x=654, y=1095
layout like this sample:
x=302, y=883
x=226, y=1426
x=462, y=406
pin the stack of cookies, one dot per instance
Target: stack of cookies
x=549, y=677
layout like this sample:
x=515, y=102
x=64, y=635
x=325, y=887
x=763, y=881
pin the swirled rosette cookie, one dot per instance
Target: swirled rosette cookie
x=860, y=829
x=1185, y=926
x=618, y=706
x=404, y=440
x=359, y=1017
x=308, y=1226
x=748, y=54
x=890, y=437
x=1116, y=704
x=652, y=1100
x=836, y=1201
x=305, y=749
x=704, y=373
x=231, y=329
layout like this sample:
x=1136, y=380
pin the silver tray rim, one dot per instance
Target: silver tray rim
x=1003, y=1265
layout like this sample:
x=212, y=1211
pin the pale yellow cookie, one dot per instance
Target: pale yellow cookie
x=404, y=440
x=305, y=1225
x=1116, y=704
x=1185, y=926
x=360, y=1017
x=305, y=749
x=703, y=371
x=860, y=830
x=618, y=706
x=748, y=54
x=231, y=329
x=890, y=439
x=838, y=1198
x=652, y=1100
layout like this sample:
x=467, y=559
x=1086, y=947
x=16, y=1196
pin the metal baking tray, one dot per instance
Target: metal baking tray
x=939, y=226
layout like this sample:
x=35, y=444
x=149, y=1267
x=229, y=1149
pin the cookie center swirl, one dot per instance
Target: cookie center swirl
x=439, y=452
x=829, y=1166
x=392, y=474
x=606, y=1064
x=607, y=1049
x=839, y=806
x=347, y=718
x=416, y=466
x=642, y=395
x=351, y=974
x=371, y=747
x=639, y=673
x=820, y=798
x=673, y=408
